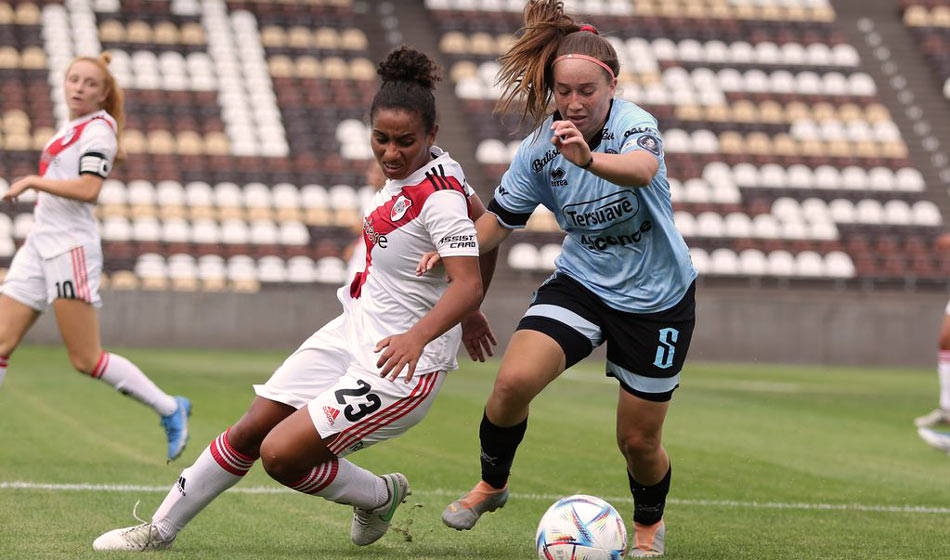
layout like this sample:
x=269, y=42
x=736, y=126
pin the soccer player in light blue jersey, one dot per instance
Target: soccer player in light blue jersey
x=624, y=275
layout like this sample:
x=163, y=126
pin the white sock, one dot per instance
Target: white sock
x=129, y=380
x=3, y=367
x=218, y=468
x=943, y=369
x=341, y=481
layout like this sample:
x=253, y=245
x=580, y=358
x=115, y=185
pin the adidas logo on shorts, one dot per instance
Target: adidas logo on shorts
x=331, y=413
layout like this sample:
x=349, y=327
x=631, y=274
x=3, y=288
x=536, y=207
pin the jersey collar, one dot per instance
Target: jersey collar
x=88, y=117
x=436, y=154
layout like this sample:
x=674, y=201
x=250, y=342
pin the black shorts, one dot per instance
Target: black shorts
x=645, y=351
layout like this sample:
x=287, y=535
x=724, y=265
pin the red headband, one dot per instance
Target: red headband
x=596, y=61
x=588, y=27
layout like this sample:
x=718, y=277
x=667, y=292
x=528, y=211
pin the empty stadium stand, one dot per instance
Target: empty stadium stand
x=246, y=139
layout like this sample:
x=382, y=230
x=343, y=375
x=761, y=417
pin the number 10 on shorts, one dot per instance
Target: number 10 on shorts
x=666, y=348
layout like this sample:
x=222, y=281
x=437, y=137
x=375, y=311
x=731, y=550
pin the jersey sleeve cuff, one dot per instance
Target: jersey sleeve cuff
x=507, y=218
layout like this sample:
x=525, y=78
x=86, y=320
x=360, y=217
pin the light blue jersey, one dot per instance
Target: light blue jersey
x=621, y=242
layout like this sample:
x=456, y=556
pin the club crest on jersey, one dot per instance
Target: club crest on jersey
x=399, y=209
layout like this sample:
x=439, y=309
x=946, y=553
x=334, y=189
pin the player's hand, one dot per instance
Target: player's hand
x=570, y=142
x=399, y=351
x=17, y=188
x=427, y=263
x=477, y=336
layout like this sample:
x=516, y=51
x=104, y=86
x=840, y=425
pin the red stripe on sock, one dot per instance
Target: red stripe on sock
x=330, y=477
x=219, y=453
x=318, y=478
x=401, y=408
x=309, y=479
x=101, y=365
x=240, y=456
x=944, y=356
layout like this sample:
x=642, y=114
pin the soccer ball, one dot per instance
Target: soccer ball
x=581, y=528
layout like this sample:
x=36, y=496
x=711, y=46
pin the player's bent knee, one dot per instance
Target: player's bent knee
x=275, y=463
x=638, y=444
x=510, y=393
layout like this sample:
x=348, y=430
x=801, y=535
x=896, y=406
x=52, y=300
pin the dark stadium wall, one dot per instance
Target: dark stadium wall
x=891, y=328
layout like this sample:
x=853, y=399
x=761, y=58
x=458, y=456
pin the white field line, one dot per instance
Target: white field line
x=734, y=504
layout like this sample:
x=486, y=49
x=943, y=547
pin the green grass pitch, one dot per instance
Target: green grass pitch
x=769, y=462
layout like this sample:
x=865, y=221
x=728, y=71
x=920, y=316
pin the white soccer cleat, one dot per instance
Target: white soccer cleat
x=935, y=417
x=937, y=440
x=138, y=538
x=369, y=525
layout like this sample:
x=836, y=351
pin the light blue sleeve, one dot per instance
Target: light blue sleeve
x=640, y=132
x=517, y=196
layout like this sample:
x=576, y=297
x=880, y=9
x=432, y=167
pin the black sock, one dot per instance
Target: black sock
x=498, y=450
x=649, y=501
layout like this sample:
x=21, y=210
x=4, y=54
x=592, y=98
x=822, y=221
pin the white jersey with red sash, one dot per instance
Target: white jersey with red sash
x=427, y=211
x=85, y=145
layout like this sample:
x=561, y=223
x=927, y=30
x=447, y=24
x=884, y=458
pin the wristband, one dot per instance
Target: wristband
x=589, y=163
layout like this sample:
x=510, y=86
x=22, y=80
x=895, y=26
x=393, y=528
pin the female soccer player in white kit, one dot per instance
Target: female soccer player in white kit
x=61, y=261
x=373, y=372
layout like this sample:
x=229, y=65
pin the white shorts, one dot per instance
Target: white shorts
x=37, y=282
x=947, y=310
x=343, y=398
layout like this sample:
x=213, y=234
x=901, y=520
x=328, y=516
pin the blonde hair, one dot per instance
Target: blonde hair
x=114, y=103
x=526, y=69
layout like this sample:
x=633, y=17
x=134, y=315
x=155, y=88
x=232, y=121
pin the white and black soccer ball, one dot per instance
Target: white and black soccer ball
x=581, y=528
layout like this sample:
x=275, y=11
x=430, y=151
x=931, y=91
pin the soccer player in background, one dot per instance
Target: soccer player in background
x=61, y=261
x=940, y=416
x=373, y=372
x=624, y=275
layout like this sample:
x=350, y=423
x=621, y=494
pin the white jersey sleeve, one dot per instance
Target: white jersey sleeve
x=445, y=217
x=97, y=149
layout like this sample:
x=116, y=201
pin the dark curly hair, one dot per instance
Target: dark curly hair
x=409, y=78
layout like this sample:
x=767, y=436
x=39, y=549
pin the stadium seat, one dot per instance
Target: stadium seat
x=300, y=270
x=523, y=256
x=271, y=269
x=838, y=265
x=809, y=264
x=330, y=270
x=709, y=225
x=724, y=261
x=175, y=230
x=781, y=263
x=752, y=262
x=737, y=225
x=925, y=213
x=700, y=259
x=546, y=256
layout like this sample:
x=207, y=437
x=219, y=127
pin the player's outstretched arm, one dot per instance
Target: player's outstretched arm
x=490, y=236
x=84, y=189
x=461, y=297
